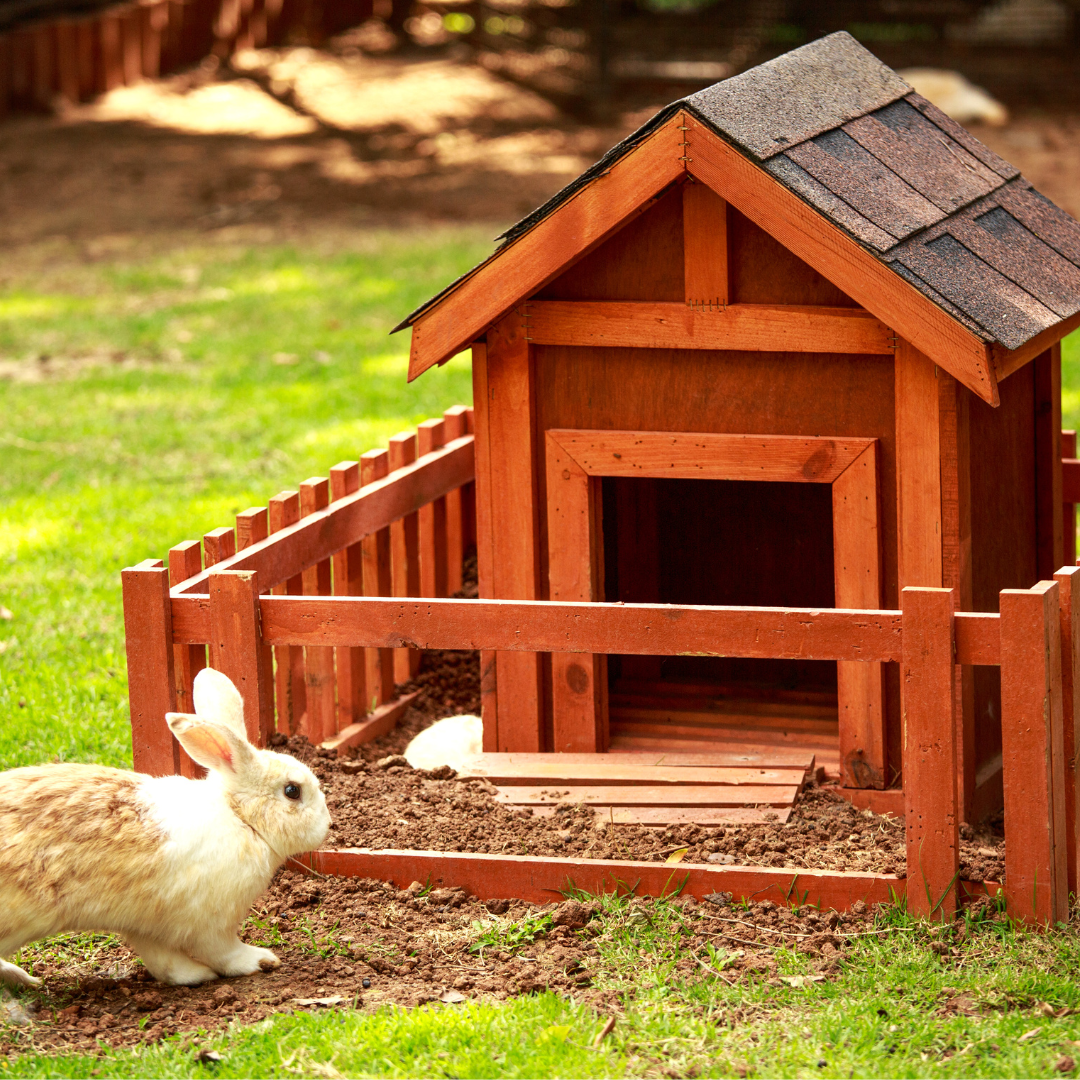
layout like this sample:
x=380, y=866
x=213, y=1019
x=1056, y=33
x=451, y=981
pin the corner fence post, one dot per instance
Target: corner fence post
x=928, y=703
x=151, y=689
x=236, y=647
x=1032, y=750
x=1069, y=600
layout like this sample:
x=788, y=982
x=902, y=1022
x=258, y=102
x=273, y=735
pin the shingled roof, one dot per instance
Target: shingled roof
x=846, y=134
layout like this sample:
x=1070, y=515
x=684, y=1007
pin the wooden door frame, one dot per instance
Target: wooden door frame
x=576, y=459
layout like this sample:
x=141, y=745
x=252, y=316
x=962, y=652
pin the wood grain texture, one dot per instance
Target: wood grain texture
x=377, y=581
x=350, y=666
x=928, y=697
x=236, y=647
x=515, y=521
x=749, y=327
x=151, y=678
x=705, y=247
x=1049, y=539
x=290, y=696
x=538, y=879
x=404, y=551
x=320, y=718
x=430, y=436
x=219, y=545
x=538, y=256
x=379, y=722
x=1036, y=861
x=634, y=795
x=872, y=284
x=797, y=760
x=1068, y=583
x=1068, y=508
x=604, y=772
x=455, y=424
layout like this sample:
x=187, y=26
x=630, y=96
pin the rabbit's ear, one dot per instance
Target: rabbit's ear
x=212, y=745
x=216, y=699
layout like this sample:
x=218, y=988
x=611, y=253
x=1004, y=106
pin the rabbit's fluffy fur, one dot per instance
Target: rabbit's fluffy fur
x=172, y=865
x=454, y=741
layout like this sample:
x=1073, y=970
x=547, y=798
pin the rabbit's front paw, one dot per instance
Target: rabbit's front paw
x=246, y=960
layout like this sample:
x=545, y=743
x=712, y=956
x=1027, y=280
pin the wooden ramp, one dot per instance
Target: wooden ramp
x=712, y=787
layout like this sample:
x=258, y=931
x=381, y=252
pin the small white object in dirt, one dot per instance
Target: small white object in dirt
x=451, y=997
x=720, y=857
x=454, y=741
x=12, y=1011
x=955, y=96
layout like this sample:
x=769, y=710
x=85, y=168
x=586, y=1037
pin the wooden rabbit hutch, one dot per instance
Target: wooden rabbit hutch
x=765, y=474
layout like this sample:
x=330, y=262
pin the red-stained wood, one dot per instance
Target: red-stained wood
x=252, y=526
x=659, y=816
x=1036, y=861
x=151, y=679
x=1069, y=607
x=219, y=545
x=1070, y=480
x=1049, y=541
x=1068, y=508
x=742, y=327
x=889, y=801
x=978, y=638
x=872, y=284
x=642, y=795
x=928, y=701
x=514, y=515
x=860, y=689
x=604, y=772
x=67, y=61
x=236, y=647
x=541, y=880
x=380, y=721
x=455, y=424
x=131, y=45
x=468, y=495
x=374, y=466
x=801, y=761
x=404, y=552
x=290, y=694
x=430, y=435
x=316, y=538
x=185, y=561
x=538, y=256
x=320, y=717
x=705, y=247
x=348, y=573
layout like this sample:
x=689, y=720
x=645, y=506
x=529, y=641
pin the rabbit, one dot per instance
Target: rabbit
x=454, y=741
x=170, y=864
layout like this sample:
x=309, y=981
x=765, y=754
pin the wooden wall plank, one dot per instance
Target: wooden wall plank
x=515, y=521
x=455, y=424
x=1036, y=861
x=348, y=580
x=739, y=327
x=236, y=647
x=1049, y=538
x=1068, y=509
x=928, y=697
x=375, y=465
x=151, y=678
x=404, y=552
x=705, y=246
x=319, y=688
x=290, y=695
x=1068, y=581
x=857, y=584
x=430, y=436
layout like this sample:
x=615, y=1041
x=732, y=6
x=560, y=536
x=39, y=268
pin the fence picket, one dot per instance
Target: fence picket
x=455, y=424
x=283, y=511
x=430, y=437
x=185, y=560
x=374, y=465
x=348, y=578
x=404, y=552
x=219, y=545
x=1069, y=603
x=318, y=660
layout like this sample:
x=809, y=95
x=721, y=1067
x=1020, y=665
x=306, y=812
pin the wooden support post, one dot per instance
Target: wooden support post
x=284, y=510
x=514, y=521
x=185, y=561
x=705, y=249
x=85, y=41
x=236, y=647
x=151, y=679
x=374, y=465
x=1068, y=509
x=110, y=59
x=318, y=660
x=430, y=436
x=468, y=497
x=252, y=527
x=1069, y=606
x=348, y=566
x=132, y=46
x=928, y=701
x=455, y=424
x=44, y=67
x=67, y=60
x=1049, y=539
x=1032, y=747
x=405, y=553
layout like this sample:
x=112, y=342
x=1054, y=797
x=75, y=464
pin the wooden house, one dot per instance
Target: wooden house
x=793, y=343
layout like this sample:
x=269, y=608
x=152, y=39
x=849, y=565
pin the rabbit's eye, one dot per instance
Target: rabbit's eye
x=292, y=791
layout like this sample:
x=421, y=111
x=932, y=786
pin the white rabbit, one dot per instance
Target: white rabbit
x=172, y=865
x=454, y=741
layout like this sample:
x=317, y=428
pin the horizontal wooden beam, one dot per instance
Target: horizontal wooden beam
x=603, y=769
x=740, y=327
x=978, y=637
x=379, y=722
x=541, y=880
x=1070, y=480
x=707, y=456
x=318, y=536
x=552, y=794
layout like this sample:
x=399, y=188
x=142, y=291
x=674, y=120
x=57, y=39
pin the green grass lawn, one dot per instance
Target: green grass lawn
x=201, y=378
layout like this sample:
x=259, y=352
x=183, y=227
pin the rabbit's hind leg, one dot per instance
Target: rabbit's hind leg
x=232, y=957
x=169, y=965
x=14, y=975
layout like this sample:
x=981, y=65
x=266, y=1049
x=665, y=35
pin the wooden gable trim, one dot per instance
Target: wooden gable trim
x=1006, y=361
x=871, y=283
x=542, y=253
